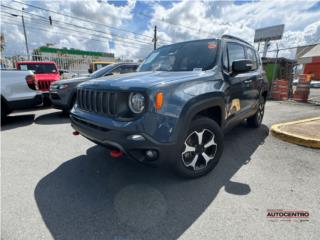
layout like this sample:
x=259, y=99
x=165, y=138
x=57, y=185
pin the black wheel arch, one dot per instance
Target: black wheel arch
x=72, y=98
x=198, y=105
x=5, y=104
x=264, y=94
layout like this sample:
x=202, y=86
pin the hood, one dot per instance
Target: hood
x=143, y=79
x=73, y=80
x=47, y=76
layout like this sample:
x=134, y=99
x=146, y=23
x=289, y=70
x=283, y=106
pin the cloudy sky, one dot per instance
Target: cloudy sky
x=126, y=27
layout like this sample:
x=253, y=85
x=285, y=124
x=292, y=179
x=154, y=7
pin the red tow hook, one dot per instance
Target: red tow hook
x=116, y=153
x=75, y=133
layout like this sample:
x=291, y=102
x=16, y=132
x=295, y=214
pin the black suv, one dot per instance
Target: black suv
x=178, y=104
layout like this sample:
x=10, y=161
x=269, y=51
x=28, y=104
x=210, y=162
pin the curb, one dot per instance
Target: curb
x=295, y=138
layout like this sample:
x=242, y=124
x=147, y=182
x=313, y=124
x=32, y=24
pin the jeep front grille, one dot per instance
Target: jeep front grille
x=44, y=85
x=112, y=104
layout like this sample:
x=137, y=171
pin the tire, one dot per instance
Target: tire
x=193, y=163
x=73, y=102
x=4, y=114
x=256, y=120
x=46, y=102
x=67, y=110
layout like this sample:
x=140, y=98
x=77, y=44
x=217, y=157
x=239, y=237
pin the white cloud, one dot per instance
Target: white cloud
x=78, y=37
x=102, y=12
x=213, y=18
x=189, y=20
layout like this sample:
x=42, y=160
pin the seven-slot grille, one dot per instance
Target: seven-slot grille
x=98, y=101
x=44, y=85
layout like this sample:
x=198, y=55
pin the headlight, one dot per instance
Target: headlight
x=136, y=102
x=62, y=86
x=53, y=86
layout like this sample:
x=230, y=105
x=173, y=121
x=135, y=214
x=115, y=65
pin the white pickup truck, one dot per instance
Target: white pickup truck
x=18, y=91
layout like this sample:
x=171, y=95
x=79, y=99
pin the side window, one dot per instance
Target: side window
x=236, y=52
x=134, y=68
x=252, y=56
x=126, y=69
x=117, y=70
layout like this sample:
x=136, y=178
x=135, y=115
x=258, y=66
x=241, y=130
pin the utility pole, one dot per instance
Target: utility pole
x=265, y=48
x=25, y=35
x=154, y=40
x=275, y=64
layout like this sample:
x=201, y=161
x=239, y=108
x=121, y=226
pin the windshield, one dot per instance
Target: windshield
x=101, y=65
x=187, y=56
x=102, y=71
x=39, y=68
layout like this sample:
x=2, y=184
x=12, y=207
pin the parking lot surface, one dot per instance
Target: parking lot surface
x=59, y=186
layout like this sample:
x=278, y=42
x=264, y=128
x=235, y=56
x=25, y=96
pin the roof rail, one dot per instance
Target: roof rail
x=235, y=38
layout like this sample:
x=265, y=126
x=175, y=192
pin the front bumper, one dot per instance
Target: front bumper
x=60, y=100
x=117, y=139
x=45, y=95
x=26, y=103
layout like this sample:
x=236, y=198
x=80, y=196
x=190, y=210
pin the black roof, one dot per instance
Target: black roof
x=235, y=38
x=126, y=63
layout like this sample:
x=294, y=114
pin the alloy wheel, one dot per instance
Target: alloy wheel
x=260, y=112
x=200, y=149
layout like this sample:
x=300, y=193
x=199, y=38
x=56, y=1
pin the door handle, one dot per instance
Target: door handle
x=247, y=81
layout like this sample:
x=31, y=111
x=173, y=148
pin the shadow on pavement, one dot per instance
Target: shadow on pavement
x=94, y=197
x=24, y=118
x=17, y=121
x=52, y=118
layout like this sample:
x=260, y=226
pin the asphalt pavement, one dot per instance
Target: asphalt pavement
x=59, y=186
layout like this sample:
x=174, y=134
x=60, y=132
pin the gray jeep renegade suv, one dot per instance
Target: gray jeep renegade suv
x=177, y=106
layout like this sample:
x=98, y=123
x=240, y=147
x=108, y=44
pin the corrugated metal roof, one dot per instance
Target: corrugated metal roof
x=313, y=52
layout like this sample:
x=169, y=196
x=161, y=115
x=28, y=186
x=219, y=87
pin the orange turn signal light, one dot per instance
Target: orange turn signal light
x=159, y=100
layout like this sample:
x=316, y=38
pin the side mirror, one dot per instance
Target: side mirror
x=241, y=66
x=61, y=72
x=89, y=70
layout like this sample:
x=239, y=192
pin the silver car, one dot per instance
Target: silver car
x=63, y=93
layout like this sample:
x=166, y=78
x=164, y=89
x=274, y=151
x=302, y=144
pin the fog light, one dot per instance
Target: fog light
x=136, y=137
x=151, y=154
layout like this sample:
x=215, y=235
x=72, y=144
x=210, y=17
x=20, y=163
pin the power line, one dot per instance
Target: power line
x=78, y=26
x=91, y=39
x=85, y=20
x=99, y=36
x=123, y=43
x=289, y=48
x=109, y=36
x=77, y=35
